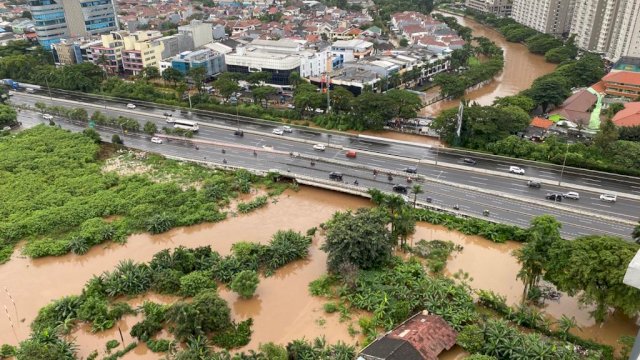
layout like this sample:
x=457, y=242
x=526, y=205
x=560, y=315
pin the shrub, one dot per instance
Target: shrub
x=234, y=336
x=128, y=278
x=254, y=204
x=159, y=345
x=471, y=338
x=112, y=344
x=330, y=307
x=245, y=283
x=285, y=247
x=322, y=286
x=7, y=350
x=166, y=281
x=153, y=323
x=195, y=282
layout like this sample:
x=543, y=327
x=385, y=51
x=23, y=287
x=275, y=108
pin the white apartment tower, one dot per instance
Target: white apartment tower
x=500, y=8
x=625, y=40
x=547, y=16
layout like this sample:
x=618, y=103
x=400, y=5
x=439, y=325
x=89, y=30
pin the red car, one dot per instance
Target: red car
x=351, y=154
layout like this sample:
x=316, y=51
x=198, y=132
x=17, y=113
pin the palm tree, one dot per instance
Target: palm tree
x=416, y=190
x=565, y=324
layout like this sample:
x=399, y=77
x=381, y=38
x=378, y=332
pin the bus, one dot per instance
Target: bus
x=185, y=125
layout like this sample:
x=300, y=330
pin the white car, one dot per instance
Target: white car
x=267, y=147
x=608, y=197
x=131, y=106
x=287, y=129
x=47, y=117
x=516, y=170
x=278, y=131
x=571, y=195
x=156, y=140
x=319, y=147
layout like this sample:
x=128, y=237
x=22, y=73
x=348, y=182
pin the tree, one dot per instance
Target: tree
x=400, y=216
x=403, y=42
x=116, y=140
x=558, y=55
x=360, y=238
x=93, y=135
x=195, y=282
x=150, y=128
x=295, y=79
x=256, y=78
x=593, y=267
x=341, y=99
x=26, y=14
x=245, y=283
x=172, y=75
x=273, y=351
x=613, y=109
x=544, y=232
x=262, y=93
x=450, y=85
x=198, y=75
x=548, y=90
x=523, y=102
x=416, y=190
x=607, y=135
x=405, y=104
x=226, y=87
x=150, y=72
x=8, y=116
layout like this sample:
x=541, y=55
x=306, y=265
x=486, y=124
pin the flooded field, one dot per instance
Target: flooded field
x=282, y=309
x=520, y=69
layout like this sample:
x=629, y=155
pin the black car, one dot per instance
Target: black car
x=335, y=176
x=554, y=197
x=400, y=189
x=469, y=161
x=238, y=133
x=411, y=170
x=167, y=114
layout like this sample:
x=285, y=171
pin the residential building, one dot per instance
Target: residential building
x=594, y=24
x=421, y=337
x=200, y=32
x=500, y=8
x=577, y=108
x=547, y=16
x=59, y=19
x=625, y=40
x=121, y=51
x=108, y=53
x=212, y=61
x=629, y=116
x=622, y=84
x=351, y=50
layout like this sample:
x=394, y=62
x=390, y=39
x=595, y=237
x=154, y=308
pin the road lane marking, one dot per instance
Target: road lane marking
x=590, y=179
x=477, y=182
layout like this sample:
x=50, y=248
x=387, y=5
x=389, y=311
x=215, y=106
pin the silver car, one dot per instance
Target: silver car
x=571, y=195
x=609, y=197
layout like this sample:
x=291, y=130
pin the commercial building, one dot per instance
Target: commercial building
x=546, y=16
x=200, y=32
x=66, y=52
x=351, y=50
x=59, y=19
x=211, y=61
x=501, y=8
x=175, y=44
x=123, y=52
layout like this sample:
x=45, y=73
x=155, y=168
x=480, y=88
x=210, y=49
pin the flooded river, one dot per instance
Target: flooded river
x=282, y=309
x=520, y=69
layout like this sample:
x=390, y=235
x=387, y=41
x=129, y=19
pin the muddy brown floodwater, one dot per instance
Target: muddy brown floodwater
x=520, y=69
x=282, y=309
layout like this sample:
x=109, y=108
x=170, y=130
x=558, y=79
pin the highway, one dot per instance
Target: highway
x=579, y=217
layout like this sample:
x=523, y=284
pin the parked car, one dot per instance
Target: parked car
x=469, y=161
x=351, y=154
x=571, y=195
x=278, y=131
x=400, y=189
x=554, y=197
x=287, y=129
x=411, y=170
x=319, y=147
x=47, y=117
x=534, y=183
x=156, y=140
x=516, y=170
x=335, y=176
x=131, y=106
x=609, y=197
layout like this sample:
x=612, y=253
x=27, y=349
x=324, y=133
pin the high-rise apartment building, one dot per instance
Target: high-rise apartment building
x=625, y=40
x=547, y=16
x=59, y=19
x=501, y=8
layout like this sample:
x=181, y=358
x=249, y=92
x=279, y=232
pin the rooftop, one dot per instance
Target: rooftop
x=624, y=77
x=629, y=116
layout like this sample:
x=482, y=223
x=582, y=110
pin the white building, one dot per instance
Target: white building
x=546, y=16
x=625, y=40
x=351, y=50
x=200, y=32
x=501, y=8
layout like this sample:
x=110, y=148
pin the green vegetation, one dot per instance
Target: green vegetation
x=56, y=193
x=8, y=116
x=435, y=252
x=254, y=204
x=245, y=283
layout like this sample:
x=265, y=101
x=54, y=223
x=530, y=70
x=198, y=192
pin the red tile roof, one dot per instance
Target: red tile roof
x=598, y=87
x=629, y=116
x=429, y=334
x=624, y=77
x=541, y=123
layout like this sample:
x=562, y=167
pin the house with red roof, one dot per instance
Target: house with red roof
x=629, y=116
x=421, y=337
x=622, y=83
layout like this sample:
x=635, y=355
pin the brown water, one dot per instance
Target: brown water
x=520, y=69
x=282, y=308
x=492, y=267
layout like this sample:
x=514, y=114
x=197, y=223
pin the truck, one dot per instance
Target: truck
x=10, y=83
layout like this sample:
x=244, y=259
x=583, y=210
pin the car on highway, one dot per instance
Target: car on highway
x=468, y=161
x=554, y=197
x=278, y=131
x=287, y=129
x=351, y=154
x=335, y=176
x=156, y=140
x=268, y=147
x=609, y=197
x=534, y=183
x=47, y=117
x=319, y=147
x=571, y=195
x=131, y=106
x=166, y=114
x=516, y=170
x=411, y=170
x=400, y=189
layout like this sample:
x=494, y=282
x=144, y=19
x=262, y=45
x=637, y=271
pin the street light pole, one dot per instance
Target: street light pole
x=46, y=79
x=564, y=162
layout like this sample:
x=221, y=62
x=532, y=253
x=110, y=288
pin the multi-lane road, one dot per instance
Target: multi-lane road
x=485, y=186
